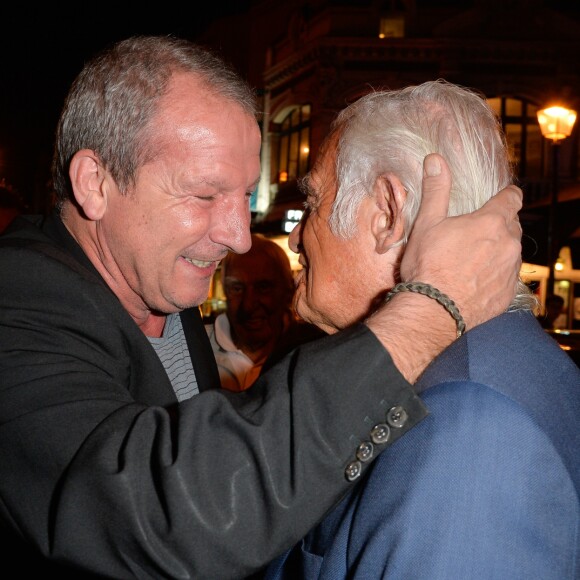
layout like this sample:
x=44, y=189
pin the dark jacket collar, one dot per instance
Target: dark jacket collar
x=202, y=356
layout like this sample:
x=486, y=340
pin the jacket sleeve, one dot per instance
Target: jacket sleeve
x=96, y=475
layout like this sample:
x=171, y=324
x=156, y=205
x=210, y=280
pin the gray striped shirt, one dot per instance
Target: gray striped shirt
x=172, y=350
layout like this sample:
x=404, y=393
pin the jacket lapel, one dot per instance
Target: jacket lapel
x=202, y=357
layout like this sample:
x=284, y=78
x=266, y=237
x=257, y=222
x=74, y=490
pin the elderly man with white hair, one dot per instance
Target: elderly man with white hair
x=488, y=485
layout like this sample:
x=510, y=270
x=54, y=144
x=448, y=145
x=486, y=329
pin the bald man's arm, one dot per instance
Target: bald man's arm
x=474, y=258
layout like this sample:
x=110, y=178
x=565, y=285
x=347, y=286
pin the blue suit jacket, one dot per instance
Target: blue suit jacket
x=486, y=487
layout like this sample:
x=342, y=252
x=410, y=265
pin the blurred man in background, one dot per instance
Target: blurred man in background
x=259, y=321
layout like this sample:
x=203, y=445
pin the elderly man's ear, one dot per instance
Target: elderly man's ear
x=387, y=220
x=89, y=181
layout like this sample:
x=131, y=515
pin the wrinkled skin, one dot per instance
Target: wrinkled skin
x=334, y=288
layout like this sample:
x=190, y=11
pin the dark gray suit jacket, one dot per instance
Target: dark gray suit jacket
x=102, y=470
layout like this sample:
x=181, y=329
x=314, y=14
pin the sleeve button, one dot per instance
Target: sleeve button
x=380, y=433
x=365, y=451
x=353, y=470
x=397, y=417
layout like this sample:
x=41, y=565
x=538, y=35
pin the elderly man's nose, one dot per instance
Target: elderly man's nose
x=294, y=238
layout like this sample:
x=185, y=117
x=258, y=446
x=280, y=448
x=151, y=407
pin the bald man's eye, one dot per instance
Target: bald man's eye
x=265, y=287
x=235, y=289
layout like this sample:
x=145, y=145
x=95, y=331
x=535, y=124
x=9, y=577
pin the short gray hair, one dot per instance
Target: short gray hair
x=392, y=132
x=114, y=99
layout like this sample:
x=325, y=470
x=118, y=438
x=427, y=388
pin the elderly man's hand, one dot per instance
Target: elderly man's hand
x=473, y=258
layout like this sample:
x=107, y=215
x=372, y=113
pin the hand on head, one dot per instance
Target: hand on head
x=483, y=283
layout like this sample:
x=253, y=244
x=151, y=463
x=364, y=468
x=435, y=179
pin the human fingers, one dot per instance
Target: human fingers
x=436, y=187
x=507, y=202
x=494, y=248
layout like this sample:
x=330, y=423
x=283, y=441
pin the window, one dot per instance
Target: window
x=293, y=152
x=392, y=27
x=520, y=123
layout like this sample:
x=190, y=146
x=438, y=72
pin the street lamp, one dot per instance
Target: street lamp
x=556, y=123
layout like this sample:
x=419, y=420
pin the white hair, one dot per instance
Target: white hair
x=392, y=132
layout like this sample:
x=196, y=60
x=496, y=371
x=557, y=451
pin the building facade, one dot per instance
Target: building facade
x=309, y=59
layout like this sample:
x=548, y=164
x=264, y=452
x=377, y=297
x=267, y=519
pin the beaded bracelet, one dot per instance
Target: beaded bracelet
x=431, y=292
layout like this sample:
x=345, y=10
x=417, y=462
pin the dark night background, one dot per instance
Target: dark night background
x=42, y=51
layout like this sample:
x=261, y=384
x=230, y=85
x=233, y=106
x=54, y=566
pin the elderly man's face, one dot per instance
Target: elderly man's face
x=340, y=278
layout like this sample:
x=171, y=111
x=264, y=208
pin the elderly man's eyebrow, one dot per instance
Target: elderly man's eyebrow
x=312, y=198
x=305, y=187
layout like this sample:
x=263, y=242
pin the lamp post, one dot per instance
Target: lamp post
x=556, y=123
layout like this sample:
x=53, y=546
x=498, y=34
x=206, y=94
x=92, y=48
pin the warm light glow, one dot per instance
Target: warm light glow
x=282, y=241
x=559, y=265
x=283, y=176
x=305, y=150
x=392, y=27
x=556, y=123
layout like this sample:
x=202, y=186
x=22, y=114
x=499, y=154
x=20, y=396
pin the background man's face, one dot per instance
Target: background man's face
x=257, y=300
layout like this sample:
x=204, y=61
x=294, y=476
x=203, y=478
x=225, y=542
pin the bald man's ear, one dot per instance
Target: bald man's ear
x=89, y=183
x=388, y=224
